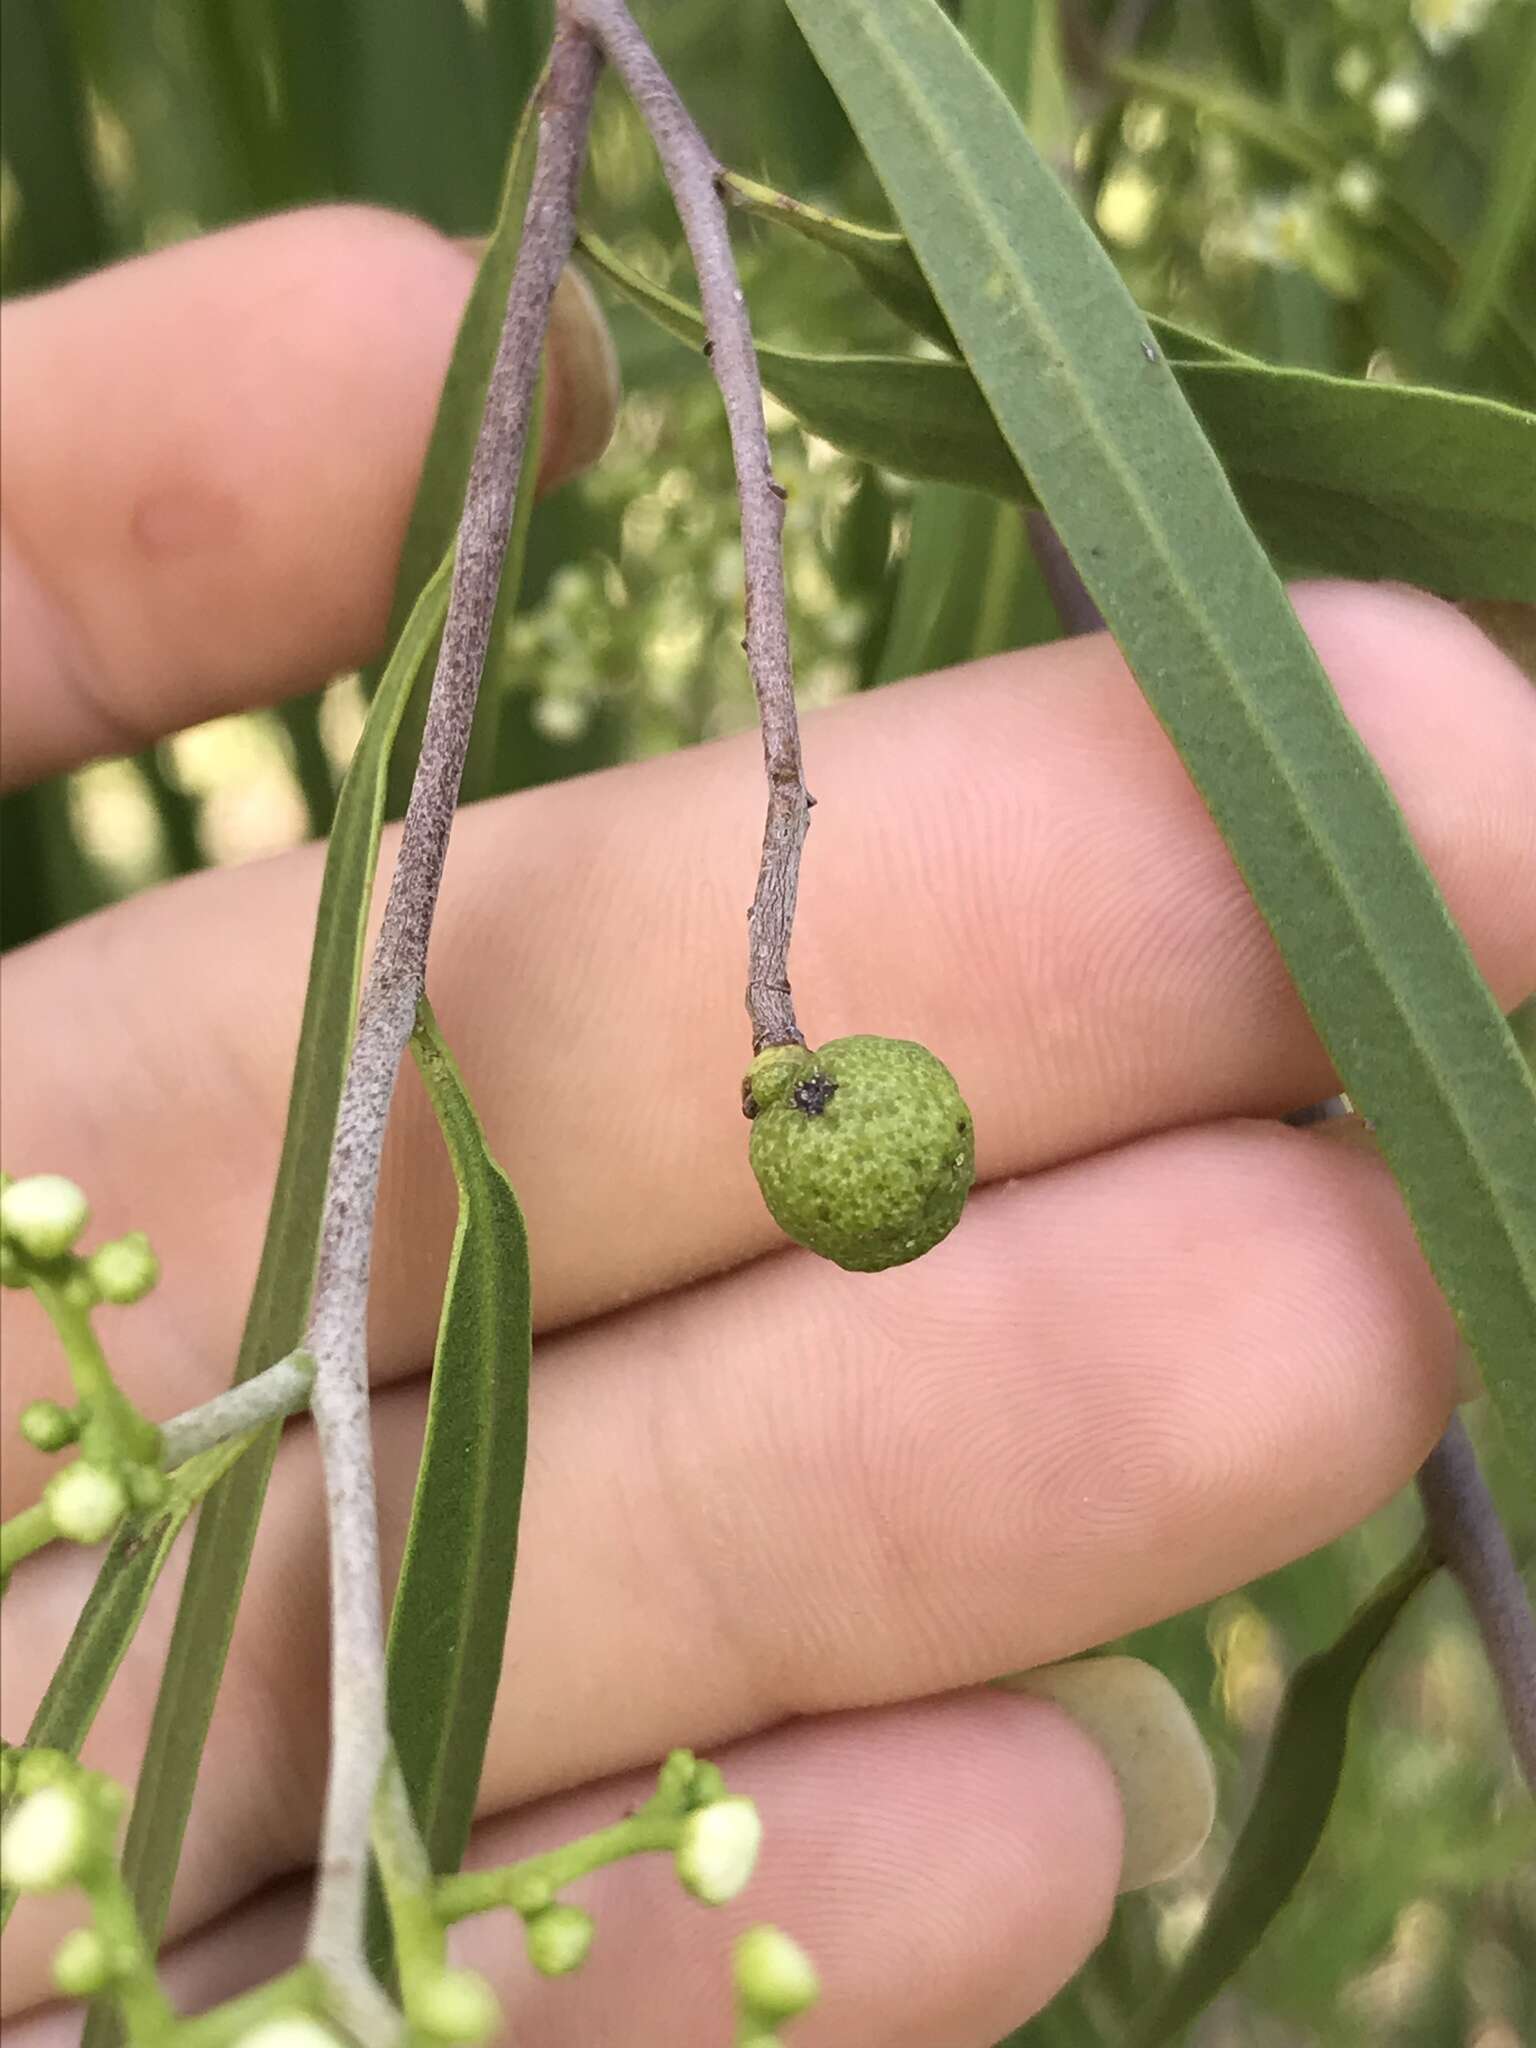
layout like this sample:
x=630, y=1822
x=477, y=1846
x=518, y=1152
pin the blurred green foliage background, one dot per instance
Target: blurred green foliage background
x=1305, y=179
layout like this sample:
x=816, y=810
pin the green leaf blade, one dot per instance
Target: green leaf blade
x=1302, y=1770
x=1337, y=476
x=1096, y=420
x=449, y=1620
x=1509, y=226
x=434, y=520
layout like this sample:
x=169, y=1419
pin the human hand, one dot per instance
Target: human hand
x=783, y=1514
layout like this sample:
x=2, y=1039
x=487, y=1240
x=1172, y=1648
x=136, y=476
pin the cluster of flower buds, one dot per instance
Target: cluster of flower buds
x=42, y=1219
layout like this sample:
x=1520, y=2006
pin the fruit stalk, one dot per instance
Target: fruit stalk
x=694, y=176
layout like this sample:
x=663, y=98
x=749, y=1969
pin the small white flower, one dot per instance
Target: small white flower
x=717, y=1849
x=44, y=1213
x=1358, y=189
x=558, y=1939
x=1279, y=229
x=1144, y=126
x=775, y=1978
x=46, y=1840
x=85, y=1502
x=1127, y=206
x=562, y=718
x=1353, y=71
x=1398, y=104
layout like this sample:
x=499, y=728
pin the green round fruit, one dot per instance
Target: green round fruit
x=864, y=1150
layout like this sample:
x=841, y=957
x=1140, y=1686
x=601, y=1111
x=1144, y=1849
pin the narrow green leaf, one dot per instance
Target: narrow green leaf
x=1509, y=226
x=60, y=225
x=1336, y=475
x=518, y=34
x=882, y=259
x=1290, y=1809
x=1096, y=420
x=279, y=1307
x=440, y=494
x=300, y=721
x=421, y=124
x=970, y=586
x=449, y=1621
x=46, y=876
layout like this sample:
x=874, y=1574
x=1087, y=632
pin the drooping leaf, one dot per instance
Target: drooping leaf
x=449, y=1620
x=439, y=500
x=1290, y=1809
x=883, y=261
x=1337, y=475
x=1508, y=231
x=275, y=1323
x=1097, y=421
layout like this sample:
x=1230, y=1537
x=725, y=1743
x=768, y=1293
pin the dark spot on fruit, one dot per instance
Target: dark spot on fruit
x=814, y=1093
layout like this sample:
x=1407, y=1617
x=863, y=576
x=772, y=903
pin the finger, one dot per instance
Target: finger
x=1126, y=1386
x=210, y=457
x=948, y=1865
x=1008, y=863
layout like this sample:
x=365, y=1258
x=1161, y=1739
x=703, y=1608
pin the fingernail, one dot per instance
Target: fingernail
x=584, y=387
x=584, y=391
x=1162, y=1768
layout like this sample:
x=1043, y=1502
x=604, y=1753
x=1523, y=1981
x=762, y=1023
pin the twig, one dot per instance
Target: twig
x=694, y=176
x=283, y=1389
x=337, y=1333
x=1068, y=593
x=1466, y=1532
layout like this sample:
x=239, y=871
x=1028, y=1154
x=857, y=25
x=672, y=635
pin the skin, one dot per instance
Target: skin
x=789, y=1515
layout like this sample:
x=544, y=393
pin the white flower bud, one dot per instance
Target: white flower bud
x=775, y=1978
x=85, y=1502
x=1353, y=71
x=1358, y=189
x=1397, y=104
x=717, y=1849
x=125, y=1270
x=48, y=1427
x=455, y=2005
x=294, y=2030
x=46, y=1841
x=558, y=1939
x=81, y=1966
x=44, y=1213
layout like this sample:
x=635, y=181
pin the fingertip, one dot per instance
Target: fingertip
x=1451, y=722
